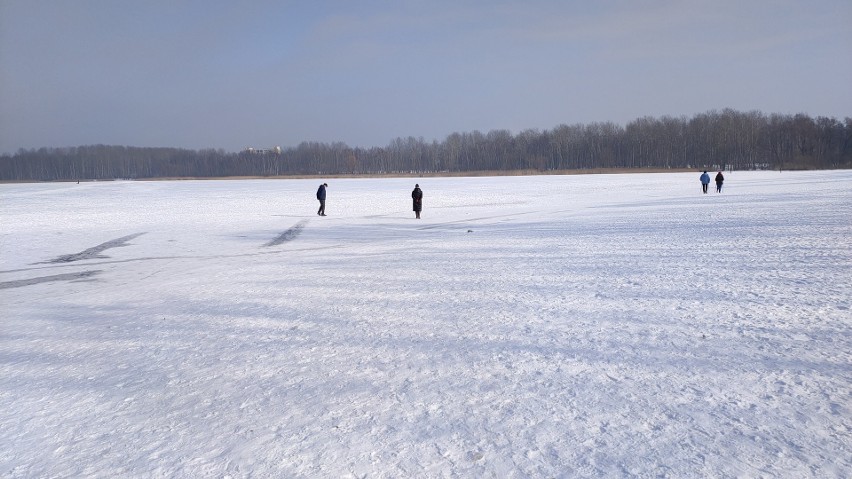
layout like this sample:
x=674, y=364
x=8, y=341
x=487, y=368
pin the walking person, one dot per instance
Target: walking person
x=321, y=198
x=417, y=197
x=719, y=180
x=705, y=180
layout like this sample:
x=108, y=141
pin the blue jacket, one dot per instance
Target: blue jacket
x=321, y=192
x=705, y=180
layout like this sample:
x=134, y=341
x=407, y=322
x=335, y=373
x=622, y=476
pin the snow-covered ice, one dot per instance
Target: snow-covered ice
x=547, y=326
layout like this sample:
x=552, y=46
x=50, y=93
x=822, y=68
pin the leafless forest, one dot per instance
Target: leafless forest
x=728, y=139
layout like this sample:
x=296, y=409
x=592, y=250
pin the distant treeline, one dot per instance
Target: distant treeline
x=726, y=140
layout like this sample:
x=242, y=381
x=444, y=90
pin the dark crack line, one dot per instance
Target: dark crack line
x=288, y=235
x=49, y=279
x=168, y=258
x=95, y=252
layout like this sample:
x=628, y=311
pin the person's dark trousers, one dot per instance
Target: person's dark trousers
x=321, y=211
x=704, y=187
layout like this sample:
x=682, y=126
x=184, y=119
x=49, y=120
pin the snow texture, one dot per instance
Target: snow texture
x=550, y=326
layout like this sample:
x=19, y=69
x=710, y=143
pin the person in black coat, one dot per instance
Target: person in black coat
x=719, y=180
x=417, y=197
x=321, y=198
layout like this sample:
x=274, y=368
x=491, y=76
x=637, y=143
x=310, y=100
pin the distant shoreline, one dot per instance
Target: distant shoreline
x=445, y=174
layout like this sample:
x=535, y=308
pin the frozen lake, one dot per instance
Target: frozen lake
x=550, y=326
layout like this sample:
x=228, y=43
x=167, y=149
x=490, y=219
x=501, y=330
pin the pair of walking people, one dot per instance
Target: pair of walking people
x=705, y=182
x=416, y=197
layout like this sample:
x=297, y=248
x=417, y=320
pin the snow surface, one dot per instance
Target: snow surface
x=551, y=326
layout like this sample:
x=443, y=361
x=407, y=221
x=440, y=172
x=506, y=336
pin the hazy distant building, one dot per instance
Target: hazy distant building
x=264, y=151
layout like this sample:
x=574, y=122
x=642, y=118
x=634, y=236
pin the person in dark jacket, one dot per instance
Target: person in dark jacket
x=321, y=198
x=719, y=180
x=417, y=197
x=705, y=180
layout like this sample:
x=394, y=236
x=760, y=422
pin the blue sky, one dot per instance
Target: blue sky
x=229, y=74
